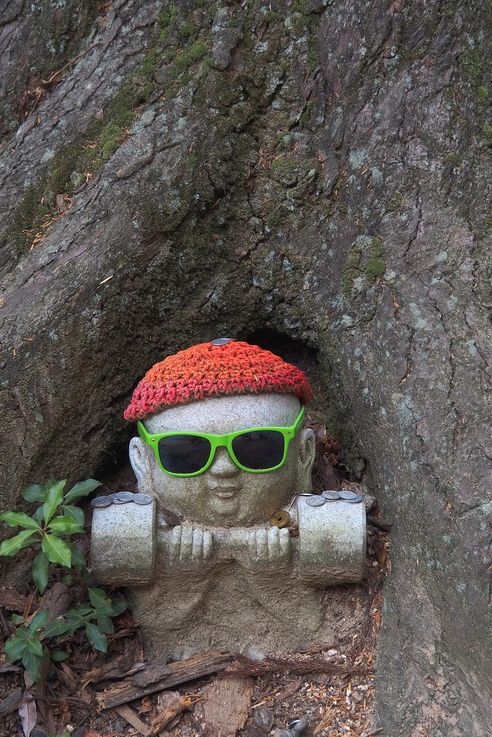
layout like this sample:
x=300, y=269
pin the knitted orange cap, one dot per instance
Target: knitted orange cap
x=212, y=369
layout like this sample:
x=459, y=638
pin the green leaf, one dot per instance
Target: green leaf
x=81, y=610
x=57, y=550
x=14, y=648
x=38, y=515
x=83, y=488
x=85, y=575
x=40, y=571
x=78, y=559
x=38, y=621
x=54, y=498
x=76, y=622
x=16, y=543
x=59, y=655
x=16, y=618
x=32, y=663
x=105, y=624
x=118, y=605
x=22, y=633
x=65, y=525
x=75, y=512
x=19, y=519
x=58, y=628
x=34, y=646
x=100, y=601
x=96, y=637
x=34, y=493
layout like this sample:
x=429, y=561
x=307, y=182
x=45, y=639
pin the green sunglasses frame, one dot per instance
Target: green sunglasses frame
x=221, y=441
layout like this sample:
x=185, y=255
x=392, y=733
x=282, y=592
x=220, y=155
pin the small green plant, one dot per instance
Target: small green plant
x=26, y=645
x=29, y=641
x=57, y=518
x=53, y=521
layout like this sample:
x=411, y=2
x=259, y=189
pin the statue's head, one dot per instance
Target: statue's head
x=222, y=437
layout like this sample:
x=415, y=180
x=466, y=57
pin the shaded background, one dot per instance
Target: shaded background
x=316, y=170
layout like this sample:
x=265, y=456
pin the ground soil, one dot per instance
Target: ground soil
x=335, y=705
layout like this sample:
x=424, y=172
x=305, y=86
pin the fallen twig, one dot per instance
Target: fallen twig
x=243, y=666
x=111, y=671
x=129, y=715
x=288, y=691
x=153, y=671
x=177, y=673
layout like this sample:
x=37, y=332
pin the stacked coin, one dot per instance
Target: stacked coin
x=120, y=497
x=317, y=500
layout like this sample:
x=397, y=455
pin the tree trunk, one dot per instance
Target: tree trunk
x=317, y=168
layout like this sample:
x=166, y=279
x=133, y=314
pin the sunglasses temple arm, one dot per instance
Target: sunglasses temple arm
x=299, y=420
x=142, y=432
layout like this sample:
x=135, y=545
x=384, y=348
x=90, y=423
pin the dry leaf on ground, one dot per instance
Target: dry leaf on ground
x=227, y=706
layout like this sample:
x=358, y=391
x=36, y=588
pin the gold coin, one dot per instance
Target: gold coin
x=281, y=518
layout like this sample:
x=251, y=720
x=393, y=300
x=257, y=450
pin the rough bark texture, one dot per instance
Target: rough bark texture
x=320, y=169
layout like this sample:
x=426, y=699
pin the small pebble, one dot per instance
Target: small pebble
x=296, y=727
x=263, y=717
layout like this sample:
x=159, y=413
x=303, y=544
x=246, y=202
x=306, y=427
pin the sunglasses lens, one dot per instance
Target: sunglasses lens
x=259, y=450
x=184, y=453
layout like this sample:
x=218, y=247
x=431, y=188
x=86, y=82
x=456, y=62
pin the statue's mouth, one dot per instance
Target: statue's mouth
x=224, y=492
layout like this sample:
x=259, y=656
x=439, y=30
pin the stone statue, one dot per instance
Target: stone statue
x=224, y=546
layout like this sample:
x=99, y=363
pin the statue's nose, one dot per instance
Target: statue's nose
x=223, y=464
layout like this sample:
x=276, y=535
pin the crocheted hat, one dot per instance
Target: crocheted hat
x=223, y=366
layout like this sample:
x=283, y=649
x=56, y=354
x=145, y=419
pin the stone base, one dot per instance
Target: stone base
x=234, y=609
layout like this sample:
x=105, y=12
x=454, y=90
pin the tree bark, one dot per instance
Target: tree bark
x=320, y=169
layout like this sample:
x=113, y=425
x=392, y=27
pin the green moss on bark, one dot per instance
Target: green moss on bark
x=365, y=259
x=351, y=269
x=103, y=137
x=376, y=267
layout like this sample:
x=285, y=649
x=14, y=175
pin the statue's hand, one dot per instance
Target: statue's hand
x=190, y=545
x=269, y=546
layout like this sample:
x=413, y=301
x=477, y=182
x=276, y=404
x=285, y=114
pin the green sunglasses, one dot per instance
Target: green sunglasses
x=255, y=450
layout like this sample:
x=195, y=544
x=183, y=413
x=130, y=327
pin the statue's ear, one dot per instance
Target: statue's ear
x=141, y=461
x=307, y=452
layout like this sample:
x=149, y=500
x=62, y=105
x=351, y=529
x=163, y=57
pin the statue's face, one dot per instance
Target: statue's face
x=224, y=494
